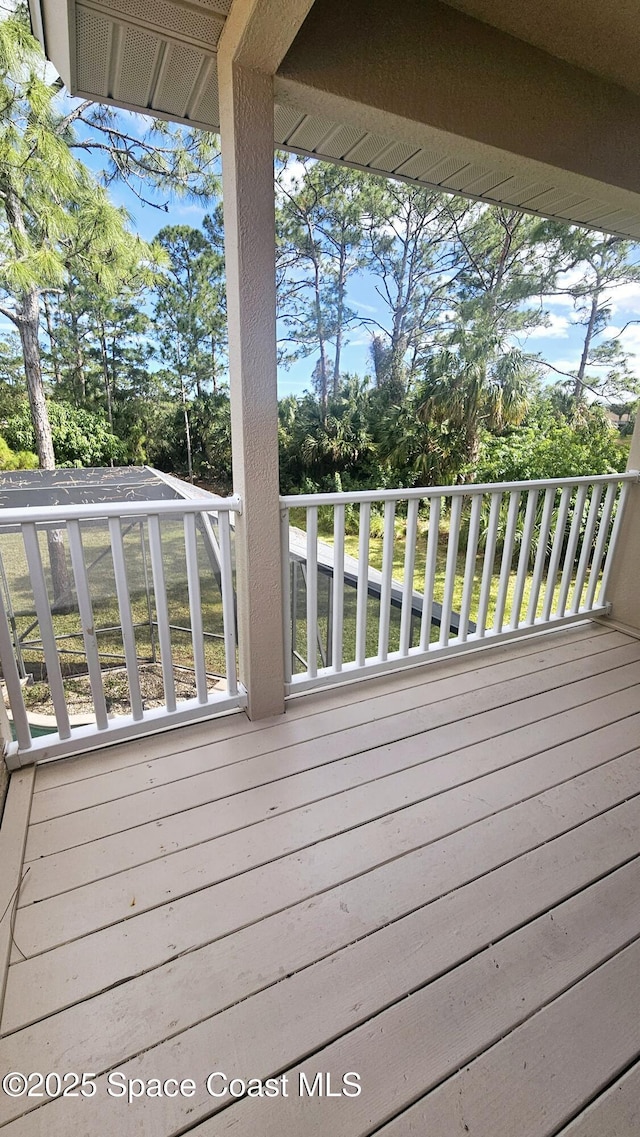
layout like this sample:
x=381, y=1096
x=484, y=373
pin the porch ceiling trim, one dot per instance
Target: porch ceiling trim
x=427, y=157
x=159, y=57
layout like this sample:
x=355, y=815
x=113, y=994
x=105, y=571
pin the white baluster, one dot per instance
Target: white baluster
x=587, y=549
x=409, y=567
x=337, y=628
x=162, y=611
x=312, y=591
x=541, y=555
x=523, y=560
x=470, y=566
x=85, y=609
x=450, y=570
x=47, y=633
x=387, y=576
x=126, y=617
x=487, y=567
x=430, y=571
x=195, y=606
x=570, y=554
x=364, y=523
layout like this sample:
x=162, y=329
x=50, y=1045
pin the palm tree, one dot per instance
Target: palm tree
x=481, y=388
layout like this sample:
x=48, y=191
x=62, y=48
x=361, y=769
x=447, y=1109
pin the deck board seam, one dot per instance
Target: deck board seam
x=449, y=749
x=497, y=1042
x=317, y=1050
x=282, y=748
x=13, y=839
x=432, y=978
x=565, y=1126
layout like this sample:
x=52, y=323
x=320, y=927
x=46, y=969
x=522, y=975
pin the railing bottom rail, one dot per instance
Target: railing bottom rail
x=397, y=661
x=122, y=728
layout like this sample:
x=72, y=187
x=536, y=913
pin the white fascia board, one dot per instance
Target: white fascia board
x=54, y=25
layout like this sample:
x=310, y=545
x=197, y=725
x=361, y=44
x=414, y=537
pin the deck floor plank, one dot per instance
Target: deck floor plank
x=82, y=911
x=431, y=878
x=573, y=1047
x=486, y=713
x=585, y=638
x=57, y=801
x=460, y=922
x=611, y=721
x=467, y=1011
x=614, y=1113
x=52, y=981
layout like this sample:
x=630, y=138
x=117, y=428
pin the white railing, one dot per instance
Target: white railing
x=110, y=549
x=456, y=566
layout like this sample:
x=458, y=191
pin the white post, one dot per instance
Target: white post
x=246, y=116
x=622, y=584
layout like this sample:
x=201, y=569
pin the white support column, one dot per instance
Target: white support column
x=246, y=114
x=623, y=587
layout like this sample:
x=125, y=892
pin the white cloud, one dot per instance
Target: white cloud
x=622, y=297
x=292, y=174
x=193, y=209
x=558, y=301
x=566, y=280
x=556, y=328
x=626, y=298
x=565, y=365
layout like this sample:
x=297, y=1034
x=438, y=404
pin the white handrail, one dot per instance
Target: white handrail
x=357, y=497
x=42, y=514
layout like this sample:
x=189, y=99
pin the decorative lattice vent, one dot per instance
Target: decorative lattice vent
x=138, y=57
x=180, y=72
x=311, y=134
x=93, y=34
x=163, y=16
x=205, y=109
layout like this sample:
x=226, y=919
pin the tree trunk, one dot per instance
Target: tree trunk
x=28, y=321
x=28, y=327
x=323, y=370
x=578, y=387
x=187, y=429
x=54, y=352
x=79, y=377
x=107, y=381
x=214, y=383
x=339, y=320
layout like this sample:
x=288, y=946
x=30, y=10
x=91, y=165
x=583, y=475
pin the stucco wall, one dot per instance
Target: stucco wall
x=429, y=63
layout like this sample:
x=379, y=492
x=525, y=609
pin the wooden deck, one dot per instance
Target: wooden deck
x=431, y=880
